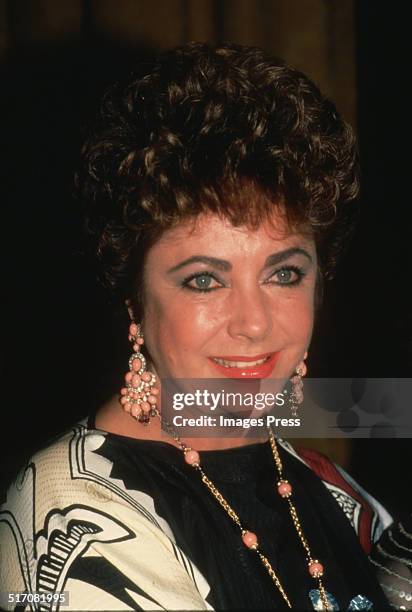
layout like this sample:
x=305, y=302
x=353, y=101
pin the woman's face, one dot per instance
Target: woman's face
x=229, y=301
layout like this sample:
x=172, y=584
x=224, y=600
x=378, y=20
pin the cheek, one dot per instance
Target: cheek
x=296, y=318
x=176, y=326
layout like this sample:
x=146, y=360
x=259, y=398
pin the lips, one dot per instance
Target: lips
x=239, y=366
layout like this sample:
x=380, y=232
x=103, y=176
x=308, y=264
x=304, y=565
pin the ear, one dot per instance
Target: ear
x=129, y=307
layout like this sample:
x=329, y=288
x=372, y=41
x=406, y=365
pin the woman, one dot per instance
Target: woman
x=220, y=189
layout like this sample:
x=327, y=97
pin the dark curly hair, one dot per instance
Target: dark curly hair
x=224, y=129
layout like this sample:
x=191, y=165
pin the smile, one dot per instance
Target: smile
x=239, y=364
x=236, y=366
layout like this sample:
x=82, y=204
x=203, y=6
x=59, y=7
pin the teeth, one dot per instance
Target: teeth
x=239, y=364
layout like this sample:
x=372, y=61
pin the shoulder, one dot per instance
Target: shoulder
x=392, y=558
x=67, y=523
x=69, y=474
x=366, y=515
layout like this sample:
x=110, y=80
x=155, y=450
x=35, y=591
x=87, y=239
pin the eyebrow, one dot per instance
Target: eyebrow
x=225, y=266
x=276, y=258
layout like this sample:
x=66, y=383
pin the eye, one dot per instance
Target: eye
x=201, y=282
x=290, y=275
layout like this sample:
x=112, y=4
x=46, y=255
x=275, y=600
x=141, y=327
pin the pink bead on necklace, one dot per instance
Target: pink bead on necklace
x=249, y=538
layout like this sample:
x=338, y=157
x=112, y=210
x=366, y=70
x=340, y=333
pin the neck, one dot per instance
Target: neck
x=111, y=418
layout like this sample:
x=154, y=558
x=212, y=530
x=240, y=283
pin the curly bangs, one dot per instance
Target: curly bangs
x=205, y=126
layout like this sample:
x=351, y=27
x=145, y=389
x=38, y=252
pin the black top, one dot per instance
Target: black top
x=246, y=476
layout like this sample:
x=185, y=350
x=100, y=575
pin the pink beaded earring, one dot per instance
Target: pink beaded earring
x=296, y=395
x=140, y=395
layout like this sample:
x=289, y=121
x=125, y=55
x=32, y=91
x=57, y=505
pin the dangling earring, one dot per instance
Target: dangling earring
x=140, y=396
x=296, y=395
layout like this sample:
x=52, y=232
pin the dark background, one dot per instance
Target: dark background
x=62, y=352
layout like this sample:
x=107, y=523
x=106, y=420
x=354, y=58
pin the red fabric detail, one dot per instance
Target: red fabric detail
x=327, y=471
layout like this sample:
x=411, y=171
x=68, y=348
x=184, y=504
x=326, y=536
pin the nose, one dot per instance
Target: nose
x=251, y=314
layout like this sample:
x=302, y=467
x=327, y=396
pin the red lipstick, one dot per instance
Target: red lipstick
x=262, y=370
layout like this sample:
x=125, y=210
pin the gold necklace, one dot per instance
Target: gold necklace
x=250, y=540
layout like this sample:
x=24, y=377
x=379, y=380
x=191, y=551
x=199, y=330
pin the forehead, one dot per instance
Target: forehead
x=213, y=234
